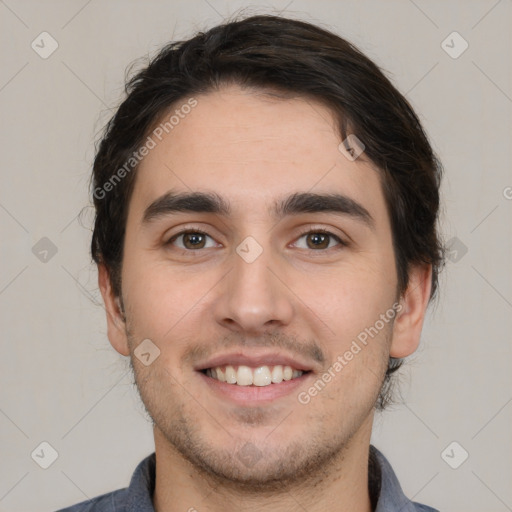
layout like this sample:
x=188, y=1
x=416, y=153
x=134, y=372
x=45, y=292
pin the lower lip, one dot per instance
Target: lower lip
x=244, y=395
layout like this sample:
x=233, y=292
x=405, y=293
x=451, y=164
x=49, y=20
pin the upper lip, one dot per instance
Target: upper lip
x=254, y=360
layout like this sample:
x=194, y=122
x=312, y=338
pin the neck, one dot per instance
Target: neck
x=341, y=486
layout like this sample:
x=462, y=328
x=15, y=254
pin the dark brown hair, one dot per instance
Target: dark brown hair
x=299, y=59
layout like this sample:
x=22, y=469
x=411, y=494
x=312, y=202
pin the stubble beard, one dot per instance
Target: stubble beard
x=245, y=467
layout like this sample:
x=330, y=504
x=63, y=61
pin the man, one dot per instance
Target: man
x=266, y=208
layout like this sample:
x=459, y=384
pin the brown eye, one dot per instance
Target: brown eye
x=320, y=239
x=190, y=240
x=193, y=240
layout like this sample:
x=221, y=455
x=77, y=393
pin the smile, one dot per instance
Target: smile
x=243, y=375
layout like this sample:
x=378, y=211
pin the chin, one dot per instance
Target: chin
x=259, y=465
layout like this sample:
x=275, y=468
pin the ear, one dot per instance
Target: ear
x=116, y=326
x=409, y=320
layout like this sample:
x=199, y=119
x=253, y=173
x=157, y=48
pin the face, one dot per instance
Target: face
x=257, y=292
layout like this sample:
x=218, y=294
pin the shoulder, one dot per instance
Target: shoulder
x=390, y=494
x=115, y=501
x=423, y=508
x=137, y=497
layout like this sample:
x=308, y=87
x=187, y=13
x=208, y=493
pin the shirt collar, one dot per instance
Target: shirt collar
x=142, y=486
x=391, y=497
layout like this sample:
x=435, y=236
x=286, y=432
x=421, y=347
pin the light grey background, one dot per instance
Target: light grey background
x=61, y=382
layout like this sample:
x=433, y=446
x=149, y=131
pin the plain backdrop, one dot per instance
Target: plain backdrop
x=61, y=382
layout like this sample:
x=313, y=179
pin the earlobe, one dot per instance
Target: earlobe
x=116, y=326
x=409, y=320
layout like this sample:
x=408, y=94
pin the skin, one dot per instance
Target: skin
x=253, y=149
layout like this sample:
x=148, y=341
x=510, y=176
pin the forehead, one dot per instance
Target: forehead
x=252, y=148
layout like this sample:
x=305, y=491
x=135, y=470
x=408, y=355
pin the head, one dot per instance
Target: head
x=248, y=137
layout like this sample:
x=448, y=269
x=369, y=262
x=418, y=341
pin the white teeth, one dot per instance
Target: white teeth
x=277, y=374
x=247, y=376
x=221, y=375
x=262, y=376
x=230, y=375
x=244, y=376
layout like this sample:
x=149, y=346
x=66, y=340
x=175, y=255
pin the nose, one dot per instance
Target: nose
x=254, y=297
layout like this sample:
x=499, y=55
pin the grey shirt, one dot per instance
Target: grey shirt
x=385, y=491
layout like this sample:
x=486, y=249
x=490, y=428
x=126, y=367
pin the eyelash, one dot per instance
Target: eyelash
x=341, y=242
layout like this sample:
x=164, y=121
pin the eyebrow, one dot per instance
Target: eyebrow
x=297, y=203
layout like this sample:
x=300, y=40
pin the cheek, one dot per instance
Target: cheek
x=357, y=308
x=155, y=300
x=163, y=301
x=348, y=298
x=358, y=364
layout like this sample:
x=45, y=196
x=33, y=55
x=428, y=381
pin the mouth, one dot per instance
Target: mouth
x=251, y=386
x=256, y=378
x=260, y=376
